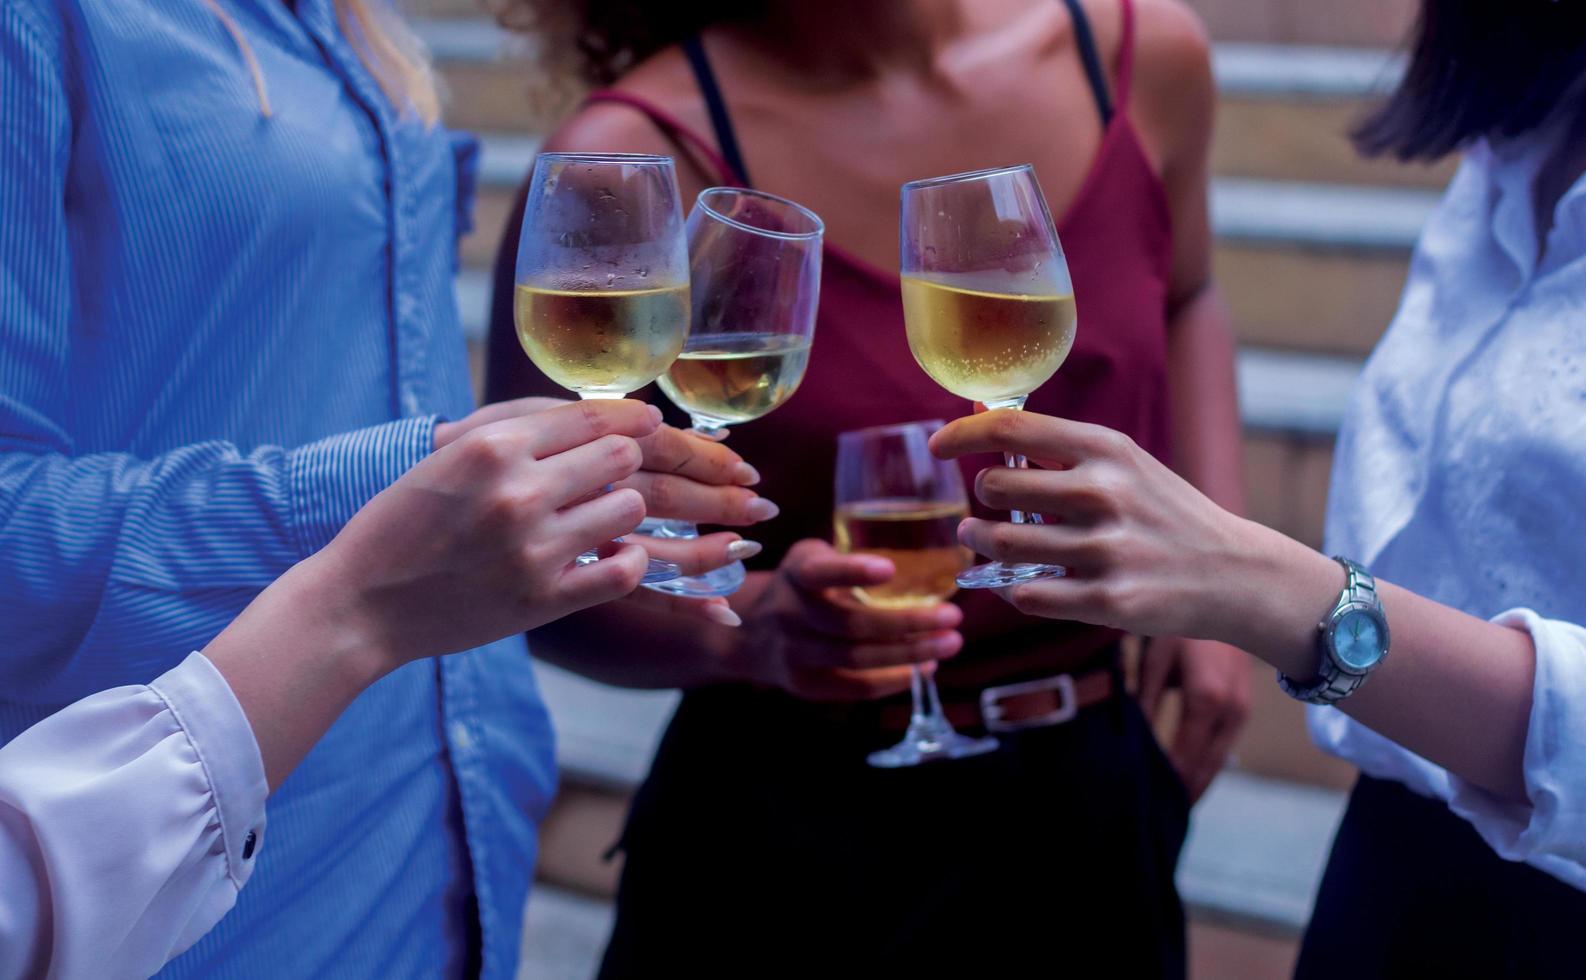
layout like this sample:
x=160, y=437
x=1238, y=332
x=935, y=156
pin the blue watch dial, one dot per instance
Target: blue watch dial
x=1357, y=640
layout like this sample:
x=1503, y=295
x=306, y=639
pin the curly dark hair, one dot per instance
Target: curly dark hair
x=594, y=41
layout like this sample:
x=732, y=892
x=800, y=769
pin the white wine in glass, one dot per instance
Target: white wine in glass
x=896, y=501
x=755, y=273
x=601, y=305
x=987, y=301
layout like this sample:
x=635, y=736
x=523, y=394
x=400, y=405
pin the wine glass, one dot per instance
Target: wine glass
x=755, y=273
x=601, y=304
x=896, y=500
x=988, y=303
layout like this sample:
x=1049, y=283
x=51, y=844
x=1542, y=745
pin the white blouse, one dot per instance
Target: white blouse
x=1461, y=474
x=128, y=823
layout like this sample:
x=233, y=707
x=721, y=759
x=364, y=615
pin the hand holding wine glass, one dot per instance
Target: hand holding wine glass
x=896, y=502
x=988, y=302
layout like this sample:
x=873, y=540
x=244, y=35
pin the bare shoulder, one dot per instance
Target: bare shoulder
x=662, y=80
x=1174, y=95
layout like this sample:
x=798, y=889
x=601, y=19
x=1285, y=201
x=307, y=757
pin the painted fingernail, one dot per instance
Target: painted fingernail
x=949, y=616
x=745, y=475
x=761, y=509
x=723, y=614
x=739, y=550
x=946, y=645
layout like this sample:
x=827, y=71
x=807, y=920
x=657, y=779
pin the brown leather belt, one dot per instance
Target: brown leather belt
x=1014, y=707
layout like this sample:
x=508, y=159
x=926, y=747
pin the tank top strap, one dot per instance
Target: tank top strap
x=673, y=128
x=716, y=105
x=1085, y=38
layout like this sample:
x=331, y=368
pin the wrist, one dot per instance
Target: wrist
x=336, y=620
x=1281, y=590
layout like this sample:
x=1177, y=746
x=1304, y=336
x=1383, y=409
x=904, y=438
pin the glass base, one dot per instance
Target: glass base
x=996, y=575
x=717, y=582
x=924, y=743
x=658, y=570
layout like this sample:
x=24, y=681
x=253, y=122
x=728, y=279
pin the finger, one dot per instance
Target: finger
x=571, y=532
x=851, y=685
x=679, y=453
x=1050, y=441
x=1058, y=598
x=559, y=429
x=1156, y=666
x=1215, y=759
x=870, y=656
x=713, y=610
x=812, y=566
x=837, y=614
x=612, y=577
x=576, y=473
x=1055, y=544
x=679, y=498
x=1070, y=493
x=696, y=556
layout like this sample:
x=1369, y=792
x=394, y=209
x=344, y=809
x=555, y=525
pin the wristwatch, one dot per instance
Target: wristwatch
x=1352, y=641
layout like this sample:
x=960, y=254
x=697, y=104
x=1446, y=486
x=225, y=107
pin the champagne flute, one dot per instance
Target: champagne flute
x=755, y=272
x=896, y=500
x=988, y=303
x=601, y=305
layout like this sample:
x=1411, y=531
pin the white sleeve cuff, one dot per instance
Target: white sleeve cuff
x=204, y=705
x=1549, y=827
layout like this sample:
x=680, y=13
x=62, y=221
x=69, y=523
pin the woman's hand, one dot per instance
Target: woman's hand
x=1145, y=551
x=808, y=635
x=1213, y=681
x=478, y=541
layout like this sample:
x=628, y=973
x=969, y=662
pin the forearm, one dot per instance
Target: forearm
x=1203, y=388
x=1454, y=689
x=296, y=658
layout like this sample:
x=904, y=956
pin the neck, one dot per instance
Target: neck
x=875, y=37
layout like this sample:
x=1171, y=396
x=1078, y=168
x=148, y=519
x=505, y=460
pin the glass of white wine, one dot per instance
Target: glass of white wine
x=987, y=301
x=755, y=278
x=601, y=305
x=897, y=501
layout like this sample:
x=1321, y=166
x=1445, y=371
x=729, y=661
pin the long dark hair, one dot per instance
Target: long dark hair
x=1479, y=68
x=607, y=37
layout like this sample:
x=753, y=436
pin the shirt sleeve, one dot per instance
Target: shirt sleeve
x=104, y=556
x=129, y=821
x=1547, y=829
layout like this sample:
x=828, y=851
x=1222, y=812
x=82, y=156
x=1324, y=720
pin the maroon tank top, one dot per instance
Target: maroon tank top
x=1117, y=238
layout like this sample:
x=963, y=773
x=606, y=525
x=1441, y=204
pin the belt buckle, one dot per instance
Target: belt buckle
x=991, y=704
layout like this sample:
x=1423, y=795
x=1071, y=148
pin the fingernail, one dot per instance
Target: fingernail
x=655, y=414
x=723, y=614
x=761, y=509
x=949, y=616
x=946, y=645
x=739, y=550
x=745, y=475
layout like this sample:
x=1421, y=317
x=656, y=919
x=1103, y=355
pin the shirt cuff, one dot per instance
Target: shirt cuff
x=332, y=479
x=1551, y=822
x=209, y=713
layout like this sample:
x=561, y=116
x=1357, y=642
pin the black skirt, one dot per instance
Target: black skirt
x=1412, y=891
x=761, y=845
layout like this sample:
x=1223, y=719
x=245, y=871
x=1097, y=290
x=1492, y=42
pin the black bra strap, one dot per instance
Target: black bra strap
x=1087, y=54
x=726, y=139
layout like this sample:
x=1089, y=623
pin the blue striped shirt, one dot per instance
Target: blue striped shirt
x=221, y=334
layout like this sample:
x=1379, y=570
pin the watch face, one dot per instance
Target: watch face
x=1357, y=640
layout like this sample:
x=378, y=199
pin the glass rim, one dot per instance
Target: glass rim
x=968, y=175
x=811, y=216
x=634, y=159
x=878, y=430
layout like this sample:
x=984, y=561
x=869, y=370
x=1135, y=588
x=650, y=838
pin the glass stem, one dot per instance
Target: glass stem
x=1016, y=461
x=928, y=714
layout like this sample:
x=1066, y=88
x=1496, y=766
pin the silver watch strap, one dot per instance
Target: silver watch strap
x=1333, y=685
